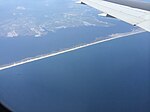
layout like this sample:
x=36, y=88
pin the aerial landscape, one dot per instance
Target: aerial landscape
x=62, y=56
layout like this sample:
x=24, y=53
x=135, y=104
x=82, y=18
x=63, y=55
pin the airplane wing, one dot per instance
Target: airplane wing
x=133, y=12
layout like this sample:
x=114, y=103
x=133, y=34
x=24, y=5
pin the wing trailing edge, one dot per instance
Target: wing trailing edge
x=132, y=12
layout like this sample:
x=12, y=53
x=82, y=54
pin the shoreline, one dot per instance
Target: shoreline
x=36, y=58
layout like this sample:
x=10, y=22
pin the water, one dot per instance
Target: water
x=15, y=49
x=112, y=76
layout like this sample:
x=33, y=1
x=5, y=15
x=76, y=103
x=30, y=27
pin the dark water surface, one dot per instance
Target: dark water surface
x=108, y=77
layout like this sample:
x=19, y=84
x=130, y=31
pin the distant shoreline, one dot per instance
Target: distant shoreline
x=40, y=57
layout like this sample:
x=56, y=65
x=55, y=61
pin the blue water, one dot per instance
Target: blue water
x=108, y=77
x=26, y=45
x=16, y=49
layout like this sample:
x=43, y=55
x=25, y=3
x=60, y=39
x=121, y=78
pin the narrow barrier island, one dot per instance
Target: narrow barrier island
x=97, y=41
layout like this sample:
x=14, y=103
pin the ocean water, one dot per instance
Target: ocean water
x=112, y=76
x=73, y=24
x=18, y=48
x=109, y=77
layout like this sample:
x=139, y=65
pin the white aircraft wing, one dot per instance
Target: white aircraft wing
x=133, y=12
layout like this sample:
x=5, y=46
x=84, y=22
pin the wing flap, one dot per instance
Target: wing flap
x=145, y=25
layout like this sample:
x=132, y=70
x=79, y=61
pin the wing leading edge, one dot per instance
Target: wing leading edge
x=132, y=12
